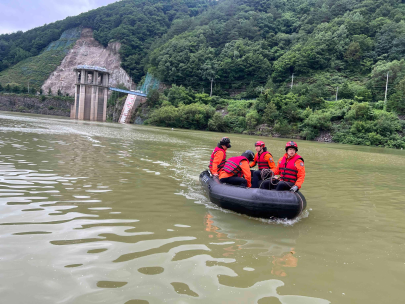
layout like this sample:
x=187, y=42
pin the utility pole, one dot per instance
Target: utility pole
x=292, y=80
x=28, y=86
x=212, y=80
x=385, y=97
x=337, y=90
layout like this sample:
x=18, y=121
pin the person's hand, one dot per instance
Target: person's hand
x=276, y=176
x=215, y=175
x=294, y=188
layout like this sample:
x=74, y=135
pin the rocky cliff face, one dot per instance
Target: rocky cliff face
x=87, y=51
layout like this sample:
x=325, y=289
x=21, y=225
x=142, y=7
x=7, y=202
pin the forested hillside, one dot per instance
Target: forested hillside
x=303, y=68
x=135, y=23
x=246, y=41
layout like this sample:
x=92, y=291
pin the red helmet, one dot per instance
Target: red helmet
x=260, y=143
x=291, y=144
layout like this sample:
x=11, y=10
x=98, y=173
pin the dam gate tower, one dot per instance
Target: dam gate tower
x=91, y=93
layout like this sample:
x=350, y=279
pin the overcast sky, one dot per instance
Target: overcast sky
x=22, y=15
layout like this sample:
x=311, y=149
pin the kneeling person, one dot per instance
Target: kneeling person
x=237, y=171
x=264, y=159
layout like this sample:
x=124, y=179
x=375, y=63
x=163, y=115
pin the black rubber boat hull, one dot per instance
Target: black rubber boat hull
x=254, y=202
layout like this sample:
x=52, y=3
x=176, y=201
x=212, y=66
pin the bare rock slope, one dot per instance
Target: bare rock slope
x=87, y=51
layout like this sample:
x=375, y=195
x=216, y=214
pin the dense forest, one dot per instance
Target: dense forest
x=298, y=68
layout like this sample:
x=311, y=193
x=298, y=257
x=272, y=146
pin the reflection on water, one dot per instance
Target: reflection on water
x=106, y=213
x=282, y=254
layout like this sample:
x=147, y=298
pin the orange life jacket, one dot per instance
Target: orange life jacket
x=261, y=162
x=288, y=170
x=232, y=165
x=222, y=163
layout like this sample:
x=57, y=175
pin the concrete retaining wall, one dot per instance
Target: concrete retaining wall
x=31, y=104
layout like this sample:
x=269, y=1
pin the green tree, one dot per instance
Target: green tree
x=345, y=92
x=203, y=98
x=16, y=89
x=396, y=102
x=316, y=122
x=167, y=116
x=356, y=24
x=217, y=123
x=179, y=94
x=209, y=71
x=270, y=114
x=287, y=106
x=195, y=116
x=153, y=98
x=252, y=119
x=378, y=77
x=359, y=111
x=364, y=95
x=353, y=54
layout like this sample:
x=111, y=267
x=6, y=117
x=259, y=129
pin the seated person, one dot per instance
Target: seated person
x=291, y=169
x=218, y=156
x=237, y=171
x=264, y=159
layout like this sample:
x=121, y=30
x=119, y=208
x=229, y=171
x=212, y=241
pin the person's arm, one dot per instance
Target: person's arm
x=301, y=173
x=217, y=160
x=277, y=168
x=270, y=161
x=246, y=172
x=253, y=163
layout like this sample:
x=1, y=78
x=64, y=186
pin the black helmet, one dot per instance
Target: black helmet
x=249, y=155
x=225, y=141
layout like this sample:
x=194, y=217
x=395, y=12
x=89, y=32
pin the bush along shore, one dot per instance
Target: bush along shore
x=301, y=113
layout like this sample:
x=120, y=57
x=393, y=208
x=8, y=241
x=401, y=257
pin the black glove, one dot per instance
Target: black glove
x=294, y=188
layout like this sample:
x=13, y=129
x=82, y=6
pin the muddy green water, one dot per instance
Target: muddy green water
x=109, y=213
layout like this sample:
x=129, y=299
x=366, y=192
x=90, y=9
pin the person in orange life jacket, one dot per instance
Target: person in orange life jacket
x=218, y=156
x=264, y=159
x=291, y=169
x=237, y=171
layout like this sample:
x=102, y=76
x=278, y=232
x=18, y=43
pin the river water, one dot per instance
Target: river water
x=109, y=213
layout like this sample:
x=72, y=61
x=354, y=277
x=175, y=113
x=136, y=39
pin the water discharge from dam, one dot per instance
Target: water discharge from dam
x=108, y=213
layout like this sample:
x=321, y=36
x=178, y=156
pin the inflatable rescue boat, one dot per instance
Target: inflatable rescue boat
x=259, y=203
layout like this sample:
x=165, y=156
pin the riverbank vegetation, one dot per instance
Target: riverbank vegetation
x=355, y=120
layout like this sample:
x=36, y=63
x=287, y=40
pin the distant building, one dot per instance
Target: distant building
x=91, y=93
